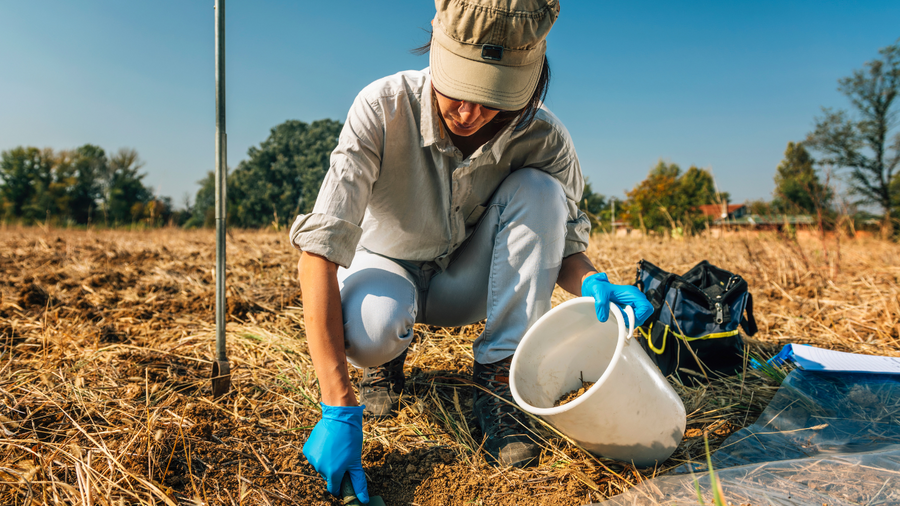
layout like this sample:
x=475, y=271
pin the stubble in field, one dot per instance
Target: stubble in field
x=106, y=338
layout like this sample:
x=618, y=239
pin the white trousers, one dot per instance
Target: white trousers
x=505, y=272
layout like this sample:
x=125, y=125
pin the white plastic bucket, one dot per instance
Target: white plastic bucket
x=631, y=413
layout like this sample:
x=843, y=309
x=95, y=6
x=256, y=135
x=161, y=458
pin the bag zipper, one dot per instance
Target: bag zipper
x=720, y=312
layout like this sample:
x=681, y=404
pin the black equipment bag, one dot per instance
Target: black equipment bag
x=697, y=312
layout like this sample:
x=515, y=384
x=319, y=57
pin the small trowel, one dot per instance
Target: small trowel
x=349, y=495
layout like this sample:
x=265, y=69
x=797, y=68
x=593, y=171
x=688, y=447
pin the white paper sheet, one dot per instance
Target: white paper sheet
x=811, y=358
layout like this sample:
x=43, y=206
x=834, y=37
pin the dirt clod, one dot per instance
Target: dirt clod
x=32, y=294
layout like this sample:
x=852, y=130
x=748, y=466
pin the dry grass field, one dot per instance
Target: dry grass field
x=106, y=339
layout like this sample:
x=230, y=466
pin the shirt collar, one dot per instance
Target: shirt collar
x=502, y=139
x=494, y=147
x=429, y=124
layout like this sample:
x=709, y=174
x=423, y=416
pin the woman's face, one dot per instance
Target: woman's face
x=463, y=118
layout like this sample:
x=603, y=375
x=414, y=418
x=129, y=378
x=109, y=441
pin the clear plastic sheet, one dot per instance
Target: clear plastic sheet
x=825, y=439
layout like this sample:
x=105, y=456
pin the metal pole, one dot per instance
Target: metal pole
x=221, y=373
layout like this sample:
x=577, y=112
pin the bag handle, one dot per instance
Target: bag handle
x=659, y=297
x=749, y=321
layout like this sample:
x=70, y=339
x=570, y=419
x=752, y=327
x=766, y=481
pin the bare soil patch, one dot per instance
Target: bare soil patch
x=106, y=339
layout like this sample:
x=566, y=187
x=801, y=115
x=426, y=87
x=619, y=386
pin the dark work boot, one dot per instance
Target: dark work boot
x=507, y=434
x=381, y=387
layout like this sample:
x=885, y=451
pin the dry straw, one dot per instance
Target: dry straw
x=105, y=338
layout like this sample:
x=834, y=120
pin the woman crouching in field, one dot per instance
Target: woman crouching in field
x=451, y=198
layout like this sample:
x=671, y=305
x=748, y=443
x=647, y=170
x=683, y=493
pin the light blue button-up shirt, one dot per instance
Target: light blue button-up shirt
x=398, y=187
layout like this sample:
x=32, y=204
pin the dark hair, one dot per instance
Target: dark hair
x=525, y=114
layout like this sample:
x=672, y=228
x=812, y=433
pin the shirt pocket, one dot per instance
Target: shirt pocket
x=475, y=215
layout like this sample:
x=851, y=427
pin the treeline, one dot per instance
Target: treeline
x=78, y=187
x=668, y=201
x=860, y=147
x=85, y=186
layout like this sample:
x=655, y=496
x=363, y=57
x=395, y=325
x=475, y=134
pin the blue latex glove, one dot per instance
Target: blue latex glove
x=604, y=292
x=335, y=447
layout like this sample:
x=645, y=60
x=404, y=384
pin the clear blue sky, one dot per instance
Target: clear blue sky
x=722, y=85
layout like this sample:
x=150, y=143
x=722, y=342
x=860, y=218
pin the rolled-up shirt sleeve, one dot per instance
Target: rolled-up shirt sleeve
x=332, y=229
x=578, y=225
x=578, y=232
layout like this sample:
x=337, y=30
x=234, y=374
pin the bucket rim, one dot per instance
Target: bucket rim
x=617, y=354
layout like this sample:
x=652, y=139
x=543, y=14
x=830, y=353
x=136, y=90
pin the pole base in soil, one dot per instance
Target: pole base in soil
x=221, y=378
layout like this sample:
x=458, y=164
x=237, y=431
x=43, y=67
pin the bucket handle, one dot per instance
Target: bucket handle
x=630, y=321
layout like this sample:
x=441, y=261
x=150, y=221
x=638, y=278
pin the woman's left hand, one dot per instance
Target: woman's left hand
x=604, y=292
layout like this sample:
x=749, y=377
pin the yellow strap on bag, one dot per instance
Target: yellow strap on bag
x=659, y=351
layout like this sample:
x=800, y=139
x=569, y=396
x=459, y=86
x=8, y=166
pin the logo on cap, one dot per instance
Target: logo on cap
x=491, y=52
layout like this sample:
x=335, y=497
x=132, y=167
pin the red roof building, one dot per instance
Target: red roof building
x=722, y=212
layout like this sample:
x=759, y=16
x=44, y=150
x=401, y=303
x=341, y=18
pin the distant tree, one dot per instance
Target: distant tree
x=164, y=210
x=27, y=177
x=155, y=212
x=89, y=167
x=594, y=205
x=592, y=202
x=203, y=214
x=179, y=217
x=283, y=175
x=669, y=199
x=759, y=207
x=895, y=191
x=797, y=186
x=649, y=202
x=696, y=187
x=865, y=143
x=123, y=188
x=60, y=189
x=77, y=186
x=18, y=168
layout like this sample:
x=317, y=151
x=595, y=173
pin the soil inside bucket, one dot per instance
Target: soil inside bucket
x=573, y=394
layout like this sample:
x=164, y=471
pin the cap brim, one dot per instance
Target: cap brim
x=500, y=86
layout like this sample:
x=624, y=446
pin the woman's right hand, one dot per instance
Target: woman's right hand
x=334, y=448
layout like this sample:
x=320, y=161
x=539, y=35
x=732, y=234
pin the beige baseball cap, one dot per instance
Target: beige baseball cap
x=490, y=52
